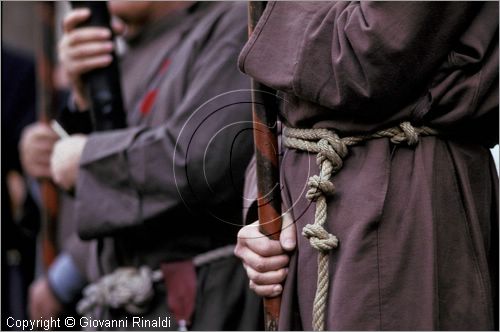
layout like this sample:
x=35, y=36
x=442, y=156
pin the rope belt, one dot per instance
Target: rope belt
x=131, y=288
x=331, y=150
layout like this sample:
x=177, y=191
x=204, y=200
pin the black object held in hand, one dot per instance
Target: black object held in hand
x=103, y=84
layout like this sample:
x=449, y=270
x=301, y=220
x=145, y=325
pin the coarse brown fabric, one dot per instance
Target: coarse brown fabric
x=418, y=227
x=168, y=187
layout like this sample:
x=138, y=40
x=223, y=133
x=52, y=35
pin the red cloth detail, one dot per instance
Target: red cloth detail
x=148, y=102
x=164, y=66
x=180, y=281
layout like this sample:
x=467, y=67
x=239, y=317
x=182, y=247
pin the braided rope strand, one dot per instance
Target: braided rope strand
x=331, y=150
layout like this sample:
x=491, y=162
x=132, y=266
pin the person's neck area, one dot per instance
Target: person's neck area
x=159, y=10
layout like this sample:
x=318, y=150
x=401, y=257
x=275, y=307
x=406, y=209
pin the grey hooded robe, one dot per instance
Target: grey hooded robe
x=168, y=187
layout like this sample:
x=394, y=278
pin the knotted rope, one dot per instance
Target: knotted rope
x=132, y=288
x=331, y=150
x=128, y=288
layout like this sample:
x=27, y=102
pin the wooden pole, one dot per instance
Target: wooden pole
x=46, y=96
x=267, y=163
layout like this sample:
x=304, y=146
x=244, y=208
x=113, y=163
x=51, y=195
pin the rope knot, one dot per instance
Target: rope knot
x=319, y=186
x=332, y=149
x=319, y=238
x=407, y=133
x=332, y=138
x=128, y=288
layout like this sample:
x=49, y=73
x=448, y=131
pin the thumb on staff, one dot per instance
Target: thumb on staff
x=288, y=236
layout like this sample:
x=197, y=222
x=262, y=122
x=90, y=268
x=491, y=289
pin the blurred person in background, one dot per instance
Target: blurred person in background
x=20, y=218
x=140, y=192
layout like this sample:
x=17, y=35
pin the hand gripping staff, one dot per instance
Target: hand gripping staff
x=103, y=85
x=267, y=163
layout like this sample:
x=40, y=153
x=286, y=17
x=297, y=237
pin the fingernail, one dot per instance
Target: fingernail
x=276, y=289
x=289, y=244
x=83, y=11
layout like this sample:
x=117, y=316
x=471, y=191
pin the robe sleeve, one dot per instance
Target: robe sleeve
x=354, y=56
x=130, y=176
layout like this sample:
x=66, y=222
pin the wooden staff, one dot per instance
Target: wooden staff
x=267, y=163
x=47, y=101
